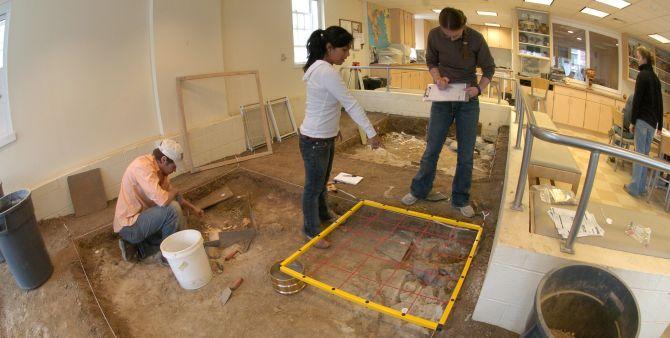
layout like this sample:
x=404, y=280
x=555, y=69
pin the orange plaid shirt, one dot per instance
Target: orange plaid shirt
x=143, y=186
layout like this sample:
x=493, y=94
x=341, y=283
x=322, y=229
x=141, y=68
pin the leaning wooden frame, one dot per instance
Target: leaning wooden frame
x=184, y=129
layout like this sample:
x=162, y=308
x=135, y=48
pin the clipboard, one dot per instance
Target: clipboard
x=454, y=93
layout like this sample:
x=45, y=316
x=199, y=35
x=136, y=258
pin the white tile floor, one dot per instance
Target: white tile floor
x=608, y=186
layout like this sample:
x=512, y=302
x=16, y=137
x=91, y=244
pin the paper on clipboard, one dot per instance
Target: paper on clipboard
x=454, y=92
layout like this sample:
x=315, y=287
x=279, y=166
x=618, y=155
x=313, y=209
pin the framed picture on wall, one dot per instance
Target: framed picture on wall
x=356, y=29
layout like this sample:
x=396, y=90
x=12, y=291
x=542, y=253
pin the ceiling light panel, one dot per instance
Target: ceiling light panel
x=615, y=3
x=594, y=12
x=485, y=13
x=540, y=2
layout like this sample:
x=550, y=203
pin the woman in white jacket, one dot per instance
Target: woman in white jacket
x=326, y=95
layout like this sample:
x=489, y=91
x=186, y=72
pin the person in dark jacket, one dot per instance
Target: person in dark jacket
x=647, y=116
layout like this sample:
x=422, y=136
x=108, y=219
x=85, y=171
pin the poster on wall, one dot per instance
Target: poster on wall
x=378, y=19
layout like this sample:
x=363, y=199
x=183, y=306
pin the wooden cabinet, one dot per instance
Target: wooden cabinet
x=550, y=104
x=415, y=80
x=505, y=38
x=561, y=111
x=605, y=118
x=583, y=109
x=496, y=37
x=592, y=114
x=428, y=25
x=577, y=109
x=401, y=28
x=396, y=79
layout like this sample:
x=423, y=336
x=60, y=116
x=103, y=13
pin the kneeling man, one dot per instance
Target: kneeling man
x=149, y=209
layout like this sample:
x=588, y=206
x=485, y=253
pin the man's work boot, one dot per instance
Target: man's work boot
x=128, y=251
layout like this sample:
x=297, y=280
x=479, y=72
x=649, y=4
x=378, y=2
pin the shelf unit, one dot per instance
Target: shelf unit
x=662, y=56
x=541, y=34
x=533, y=43
x=534, y=56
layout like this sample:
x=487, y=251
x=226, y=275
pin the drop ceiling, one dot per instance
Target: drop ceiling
x=641, y=18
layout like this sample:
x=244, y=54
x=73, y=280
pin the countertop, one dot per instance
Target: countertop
x=576, y=87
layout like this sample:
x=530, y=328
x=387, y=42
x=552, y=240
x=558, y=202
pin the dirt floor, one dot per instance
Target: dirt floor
x=144, y=299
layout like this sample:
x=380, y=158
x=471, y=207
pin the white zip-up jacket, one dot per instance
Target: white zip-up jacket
x=326, y=94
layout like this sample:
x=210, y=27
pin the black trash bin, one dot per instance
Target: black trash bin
x=21, y=242
x=582, y=300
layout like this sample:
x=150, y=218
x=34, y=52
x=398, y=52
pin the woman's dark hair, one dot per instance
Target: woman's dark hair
x=316, y=44
x=452, y=18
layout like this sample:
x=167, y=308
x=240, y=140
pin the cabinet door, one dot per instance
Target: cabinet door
x=426, y=80
x=406, y=80
x=505, y=38
x=591, y=115
x=577, y=108
x=550, y=104
x=561, y=113
x=396, y=79
x=605, y=119
x=415, y=79
x=397, y=25
x=493, y=37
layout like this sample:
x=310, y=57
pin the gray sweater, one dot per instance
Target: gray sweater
x=458, y=60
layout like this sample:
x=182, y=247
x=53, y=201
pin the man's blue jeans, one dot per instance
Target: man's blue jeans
x=317, y=156
x=644, y=135
x=152, y=227
x=442, y=115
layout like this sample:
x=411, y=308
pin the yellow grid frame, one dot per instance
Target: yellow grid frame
x=372, y=305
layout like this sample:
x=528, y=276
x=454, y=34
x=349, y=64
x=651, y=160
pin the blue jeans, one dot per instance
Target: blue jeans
x=644, y=135
x=152, y=227
x=442, y=115
x=317, y=156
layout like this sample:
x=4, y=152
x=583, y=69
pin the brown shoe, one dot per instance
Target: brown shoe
x=321, y=244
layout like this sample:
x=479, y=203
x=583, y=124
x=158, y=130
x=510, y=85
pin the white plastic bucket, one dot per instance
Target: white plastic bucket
x=185, y=252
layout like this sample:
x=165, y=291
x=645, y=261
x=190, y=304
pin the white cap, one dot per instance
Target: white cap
x=171, y=149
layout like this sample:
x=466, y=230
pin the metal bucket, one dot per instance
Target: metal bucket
x=285, y=284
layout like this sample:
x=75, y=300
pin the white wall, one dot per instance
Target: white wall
x=257, y=34
x=82, y=95
x=419, y=33
x=187, y=41
x=79, y=85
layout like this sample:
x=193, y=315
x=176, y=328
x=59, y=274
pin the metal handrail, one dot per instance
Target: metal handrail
x=595, y=148
x=388, y=69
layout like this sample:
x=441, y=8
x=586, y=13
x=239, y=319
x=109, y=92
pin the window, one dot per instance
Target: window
x=604, y=58
x=306, y=19
x=570, y=51
x=6, y=131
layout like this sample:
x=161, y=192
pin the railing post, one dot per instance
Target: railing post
x=567, y=246
x=523, y=175
x=388, y=78
x=521, y=114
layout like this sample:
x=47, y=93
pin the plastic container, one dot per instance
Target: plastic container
x=582, y=300
x=186, y=255
x=21, y=242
